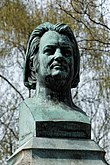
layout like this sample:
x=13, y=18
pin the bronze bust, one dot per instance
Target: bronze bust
x=52, y=69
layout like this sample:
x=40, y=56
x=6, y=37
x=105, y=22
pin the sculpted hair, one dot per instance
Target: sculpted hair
x=33, y=48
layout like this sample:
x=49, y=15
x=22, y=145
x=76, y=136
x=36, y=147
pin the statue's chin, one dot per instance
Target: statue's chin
x=59, y=74
x=56, y=81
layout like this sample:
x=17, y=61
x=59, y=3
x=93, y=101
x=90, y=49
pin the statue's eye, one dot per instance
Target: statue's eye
x=49, y=51
x=66, y=52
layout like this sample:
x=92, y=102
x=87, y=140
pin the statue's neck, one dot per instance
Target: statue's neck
x=60, y=96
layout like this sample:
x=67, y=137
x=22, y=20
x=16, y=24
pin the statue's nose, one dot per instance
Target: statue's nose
x=58, y=54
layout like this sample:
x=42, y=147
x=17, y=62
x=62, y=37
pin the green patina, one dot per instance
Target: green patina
x=52, y=69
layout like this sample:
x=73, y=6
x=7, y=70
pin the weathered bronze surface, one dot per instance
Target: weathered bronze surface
x=52, y=69
x=53, y=130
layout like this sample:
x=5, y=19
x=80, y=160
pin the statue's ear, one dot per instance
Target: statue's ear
x=30, y=74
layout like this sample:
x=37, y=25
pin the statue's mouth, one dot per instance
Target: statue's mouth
x=56, y=65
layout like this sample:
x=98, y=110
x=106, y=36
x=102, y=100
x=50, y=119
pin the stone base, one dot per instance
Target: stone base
x=49, y=151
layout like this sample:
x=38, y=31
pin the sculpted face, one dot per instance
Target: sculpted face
x=55, y=59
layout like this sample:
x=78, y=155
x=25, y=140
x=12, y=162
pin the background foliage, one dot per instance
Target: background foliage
x=90, y=22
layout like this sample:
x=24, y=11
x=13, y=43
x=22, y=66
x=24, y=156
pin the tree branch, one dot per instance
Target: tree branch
x=98, y=23
x=4, y=78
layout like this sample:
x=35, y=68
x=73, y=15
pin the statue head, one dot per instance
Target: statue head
x=48, y=39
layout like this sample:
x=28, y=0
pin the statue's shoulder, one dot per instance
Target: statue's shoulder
x=29, y=103
x=41, y=110
x=32, y=108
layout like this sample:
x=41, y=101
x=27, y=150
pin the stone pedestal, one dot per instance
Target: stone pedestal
x=54, y=151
